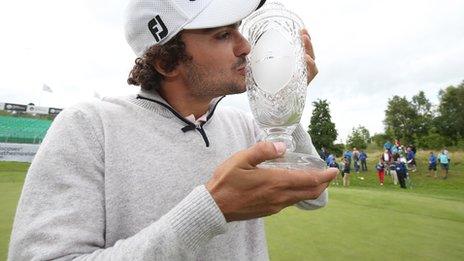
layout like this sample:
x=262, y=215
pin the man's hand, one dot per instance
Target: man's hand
x=309, y=55
x=243, y=191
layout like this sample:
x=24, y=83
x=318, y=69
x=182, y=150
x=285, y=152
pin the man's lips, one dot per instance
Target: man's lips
x=241, y=70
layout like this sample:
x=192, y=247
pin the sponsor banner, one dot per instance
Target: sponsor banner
x=18, y=152
x=54, y=111
x=31, y=109
x=15, y=107
x=37, y=109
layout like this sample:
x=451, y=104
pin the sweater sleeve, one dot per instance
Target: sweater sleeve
x=304, y=144
x=61, y=212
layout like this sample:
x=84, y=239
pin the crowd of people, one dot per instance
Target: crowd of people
x=359, y=159
x=396, y=161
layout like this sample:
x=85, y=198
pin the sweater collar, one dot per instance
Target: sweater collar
x=145, y=99
x=153, y=101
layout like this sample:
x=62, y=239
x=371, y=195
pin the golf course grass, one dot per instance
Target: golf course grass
x=365, y=221
x=364, y=224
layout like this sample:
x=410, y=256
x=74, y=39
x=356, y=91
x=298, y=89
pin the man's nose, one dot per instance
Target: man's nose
x=243, y=47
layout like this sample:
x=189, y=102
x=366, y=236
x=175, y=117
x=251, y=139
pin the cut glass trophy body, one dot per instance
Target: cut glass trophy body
x=276, y=80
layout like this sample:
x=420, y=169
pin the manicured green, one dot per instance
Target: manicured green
x=11, y=181
x=363, y=222
x=366, y=224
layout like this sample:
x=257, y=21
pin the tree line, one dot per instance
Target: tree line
x=416, y=121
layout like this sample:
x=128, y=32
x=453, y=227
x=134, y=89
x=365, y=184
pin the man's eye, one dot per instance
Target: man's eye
x=224, y=35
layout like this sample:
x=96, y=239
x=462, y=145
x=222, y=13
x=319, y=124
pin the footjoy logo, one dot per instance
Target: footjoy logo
x=157, y=28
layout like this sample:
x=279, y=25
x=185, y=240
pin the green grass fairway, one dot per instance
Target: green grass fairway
x=11, y=182
x=363, y=222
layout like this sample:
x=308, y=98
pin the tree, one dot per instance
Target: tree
x=431, y=141
x=321, y=127
x=450, y=122
x=400, y=119
x=357, y=138
x=380, y=138
x=424, y=116
x=365, y=134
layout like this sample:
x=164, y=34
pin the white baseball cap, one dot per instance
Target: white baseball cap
x=150, y=22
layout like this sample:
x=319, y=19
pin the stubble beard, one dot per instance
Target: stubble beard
x=206, y=84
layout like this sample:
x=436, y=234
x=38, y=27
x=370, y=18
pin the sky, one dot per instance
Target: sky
x=366, y=52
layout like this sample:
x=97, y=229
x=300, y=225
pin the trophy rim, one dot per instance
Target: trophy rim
x=280, y=11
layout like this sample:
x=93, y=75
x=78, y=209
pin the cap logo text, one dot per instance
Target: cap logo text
x=158, y=28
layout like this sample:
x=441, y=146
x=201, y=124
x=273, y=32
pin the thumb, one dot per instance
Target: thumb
x=263, y=151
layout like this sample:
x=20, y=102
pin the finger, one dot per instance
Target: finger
x=308, y=45
x=263, y=151
x=312, y=68
x=307, y=194
x=291, y=197
x=311, y=178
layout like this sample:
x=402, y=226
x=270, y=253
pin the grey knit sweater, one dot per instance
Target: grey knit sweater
x=119, y=180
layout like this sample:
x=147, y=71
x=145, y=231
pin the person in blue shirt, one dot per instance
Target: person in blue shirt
x=363, y=159
x=333, y=164
x=432, y=165
x=410, y=158
x=330, y=159
x=347, y=155
x=444, y=160
x=387, y=145
x=380, y=171
x=324, y=153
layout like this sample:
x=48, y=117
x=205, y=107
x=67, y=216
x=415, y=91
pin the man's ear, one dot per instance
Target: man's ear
x=161, y=69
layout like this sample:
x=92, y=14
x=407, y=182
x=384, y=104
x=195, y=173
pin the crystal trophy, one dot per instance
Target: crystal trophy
x=276, y=80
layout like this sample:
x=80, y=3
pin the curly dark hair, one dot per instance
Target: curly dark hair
x=171, y=54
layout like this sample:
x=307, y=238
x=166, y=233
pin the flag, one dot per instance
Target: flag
x=46, y=88
x=96, y=95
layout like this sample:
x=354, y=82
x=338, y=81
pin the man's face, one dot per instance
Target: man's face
x=217, y=66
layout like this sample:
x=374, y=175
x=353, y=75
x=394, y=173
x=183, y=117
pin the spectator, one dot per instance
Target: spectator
x=324, y=153
x=348, y=155
x=392, y=169
x=356, y=159
x=330, y=159
x=432, y=165
x=363, y=159
x=346, y=172
x=401, y=171
x=380, y=167
x=411, y=159
x=445, y=151
x=387, y=145
x=334, y=164
x=394, y=149
x=444, y=160
x=386, y=156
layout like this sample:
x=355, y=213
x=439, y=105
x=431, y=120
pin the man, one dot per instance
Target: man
x=166, y=174
x=363, y=159
x=410, y=157
x=401, y=171
x=432, y=165
x=444, y=160
x=324, y=153
x=355, y=156
x=347, y=155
